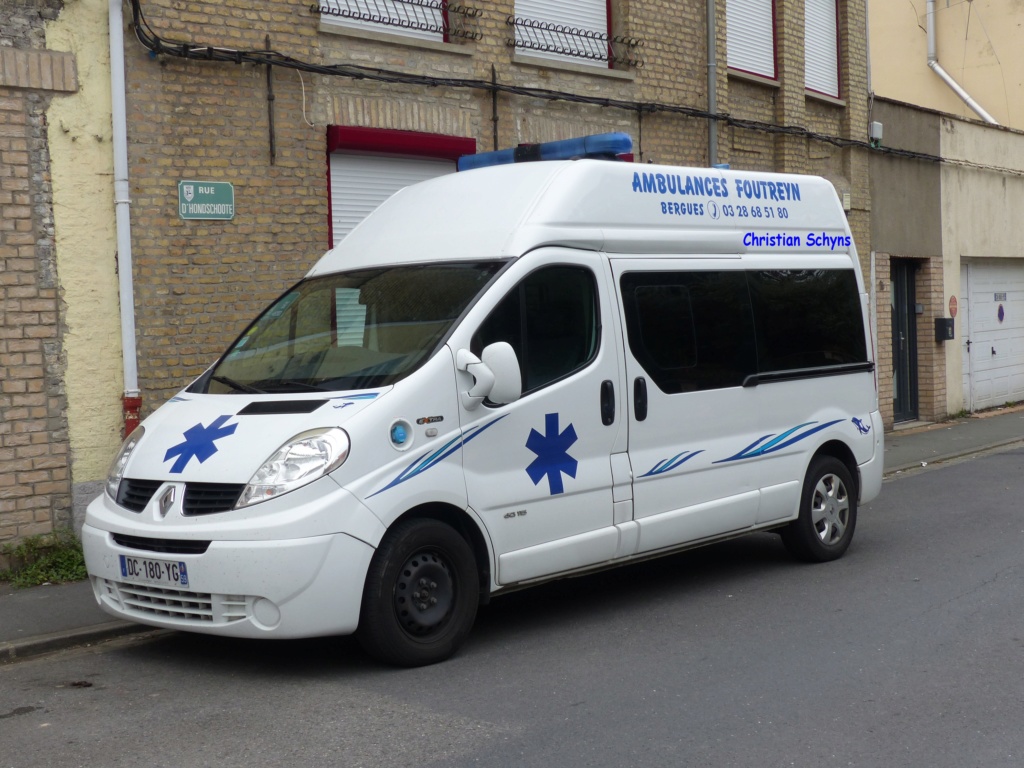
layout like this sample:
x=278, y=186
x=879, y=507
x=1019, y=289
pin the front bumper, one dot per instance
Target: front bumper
x=291, y=588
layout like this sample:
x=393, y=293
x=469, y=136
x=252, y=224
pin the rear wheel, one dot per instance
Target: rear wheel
x=421, y=594
x=828, y=513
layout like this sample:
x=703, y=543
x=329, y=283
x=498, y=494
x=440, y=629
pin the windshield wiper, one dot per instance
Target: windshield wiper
x=290, y=385
x=237, y=386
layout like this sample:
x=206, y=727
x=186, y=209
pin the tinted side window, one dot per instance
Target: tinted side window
x=807, y=318
x=550, y=319
x=690, y=330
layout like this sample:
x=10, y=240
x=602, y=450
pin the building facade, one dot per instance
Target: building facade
x=945, y=236
x=259, y=133
x=369, y=101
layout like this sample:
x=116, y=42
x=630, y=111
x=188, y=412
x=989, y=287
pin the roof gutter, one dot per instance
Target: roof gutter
x=933, y=63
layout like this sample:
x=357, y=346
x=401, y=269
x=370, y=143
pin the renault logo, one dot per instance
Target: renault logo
x=167, y=500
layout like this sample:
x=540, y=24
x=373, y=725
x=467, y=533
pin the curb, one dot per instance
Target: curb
x=954, y=455
x=19, y=650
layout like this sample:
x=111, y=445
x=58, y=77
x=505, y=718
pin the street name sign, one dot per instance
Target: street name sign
x=206, y=200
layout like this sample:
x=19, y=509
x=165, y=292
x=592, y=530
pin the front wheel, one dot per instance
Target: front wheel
x=421, y=594
x=828, y=513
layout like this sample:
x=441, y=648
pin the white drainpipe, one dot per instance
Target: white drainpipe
x=933, y=62
x=122, y=202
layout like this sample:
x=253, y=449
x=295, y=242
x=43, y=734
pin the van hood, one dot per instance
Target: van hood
x=226, y=438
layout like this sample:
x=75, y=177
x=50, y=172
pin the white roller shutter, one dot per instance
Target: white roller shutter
x=359, y=183
x=589, y=15
x=821, y=47
x=750, y=36
x=393, y=15
x=992, y=308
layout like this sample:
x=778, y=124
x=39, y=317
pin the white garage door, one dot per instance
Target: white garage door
x=991, y=327
x=359, y=183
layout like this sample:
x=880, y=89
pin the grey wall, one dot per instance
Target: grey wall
x=906, y=210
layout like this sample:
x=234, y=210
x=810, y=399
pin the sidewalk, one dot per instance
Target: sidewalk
x=43, y=619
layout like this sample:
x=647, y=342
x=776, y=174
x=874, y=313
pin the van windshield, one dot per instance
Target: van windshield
x=350, y=330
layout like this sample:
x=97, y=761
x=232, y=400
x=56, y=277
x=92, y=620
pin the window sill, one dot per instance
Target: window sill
x=598, y=70
x=816, y=96
x=395, y=38
x=750, y=77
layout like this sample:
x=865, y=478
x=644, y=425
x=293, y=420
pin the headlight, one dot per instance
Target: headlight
x=116, y=471
x=301, y=460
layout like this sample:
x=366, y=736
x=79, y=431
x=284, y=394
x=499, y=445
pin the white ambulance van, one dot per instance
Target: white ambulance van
x=502, y=377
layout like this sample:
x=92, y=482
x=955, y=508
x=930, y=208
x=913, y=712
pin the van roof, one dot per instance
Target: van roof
x=506, y=211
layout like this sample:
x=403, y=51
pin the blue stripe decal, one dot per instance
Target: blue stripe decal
x=433, y=458
x=668, y=465
x=760, y=448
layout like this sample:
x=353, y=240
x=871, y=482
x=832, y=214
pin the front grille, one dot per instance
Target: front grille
x=135, y=494
x=208, y=498
x=200, y=498
x=166, y=546
x=202, y=608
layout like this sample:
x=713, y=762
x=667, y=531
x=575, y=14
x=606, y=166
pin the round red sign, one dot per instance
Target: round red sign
x=952, y=306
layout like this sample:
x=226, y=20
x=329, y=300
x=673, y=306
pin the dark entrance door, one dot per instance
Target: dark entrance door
x=904, y=341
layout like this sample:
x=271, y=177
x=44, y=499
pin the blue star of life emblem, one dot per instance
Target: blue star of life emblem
x=199, y=442
x=553, y=458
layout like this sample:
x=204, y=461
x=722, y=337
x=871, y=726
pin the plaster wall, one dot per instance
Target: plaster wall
x=977, y=42
x=79, y=135
x=980, y=211
x=981, y=201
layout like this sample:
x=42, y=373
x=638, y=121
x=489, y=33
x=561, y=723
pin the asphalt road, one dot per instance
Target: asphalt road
x=907, y=652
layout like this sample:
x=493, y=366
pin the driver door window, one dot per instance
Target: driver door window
x=550, y=319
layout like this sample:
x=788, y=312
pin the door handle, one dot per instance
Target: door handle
x=607, y=403
x=640, y=398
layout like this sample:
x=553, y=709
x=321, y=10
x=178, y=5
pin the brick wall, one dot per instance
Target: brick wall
x=931, y=354
x=883, y=332
x=35, y=490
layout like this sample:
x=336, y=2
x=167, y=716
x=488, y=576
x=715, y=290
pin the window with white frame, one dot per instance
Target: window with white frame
x=821, y=47
x=750, y=36
x=576, y=31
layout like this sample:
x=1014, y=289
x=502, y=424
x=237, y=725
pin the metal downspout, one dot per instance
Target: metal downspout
x=933, y=62
x=712, y=84
x=131, y=401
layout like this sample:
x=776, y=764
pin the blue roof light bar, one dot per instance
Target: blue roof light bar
x=601, y=145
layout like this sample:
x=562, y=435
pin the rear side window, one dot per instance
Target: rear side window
x=693, y=331
x=806, y=318
x=690, y=330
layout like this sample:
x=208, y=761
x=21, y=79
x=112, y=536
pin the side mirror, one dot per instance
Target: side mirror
x=508, y=380
x=496, y=375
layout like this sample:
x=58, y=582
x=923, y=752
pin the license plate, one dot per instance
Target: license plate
x=166, y=572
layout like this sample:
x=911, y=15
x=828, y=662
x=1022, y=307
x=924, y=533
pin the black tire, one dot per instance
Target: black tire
x=828, y=513
x=421, y=594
